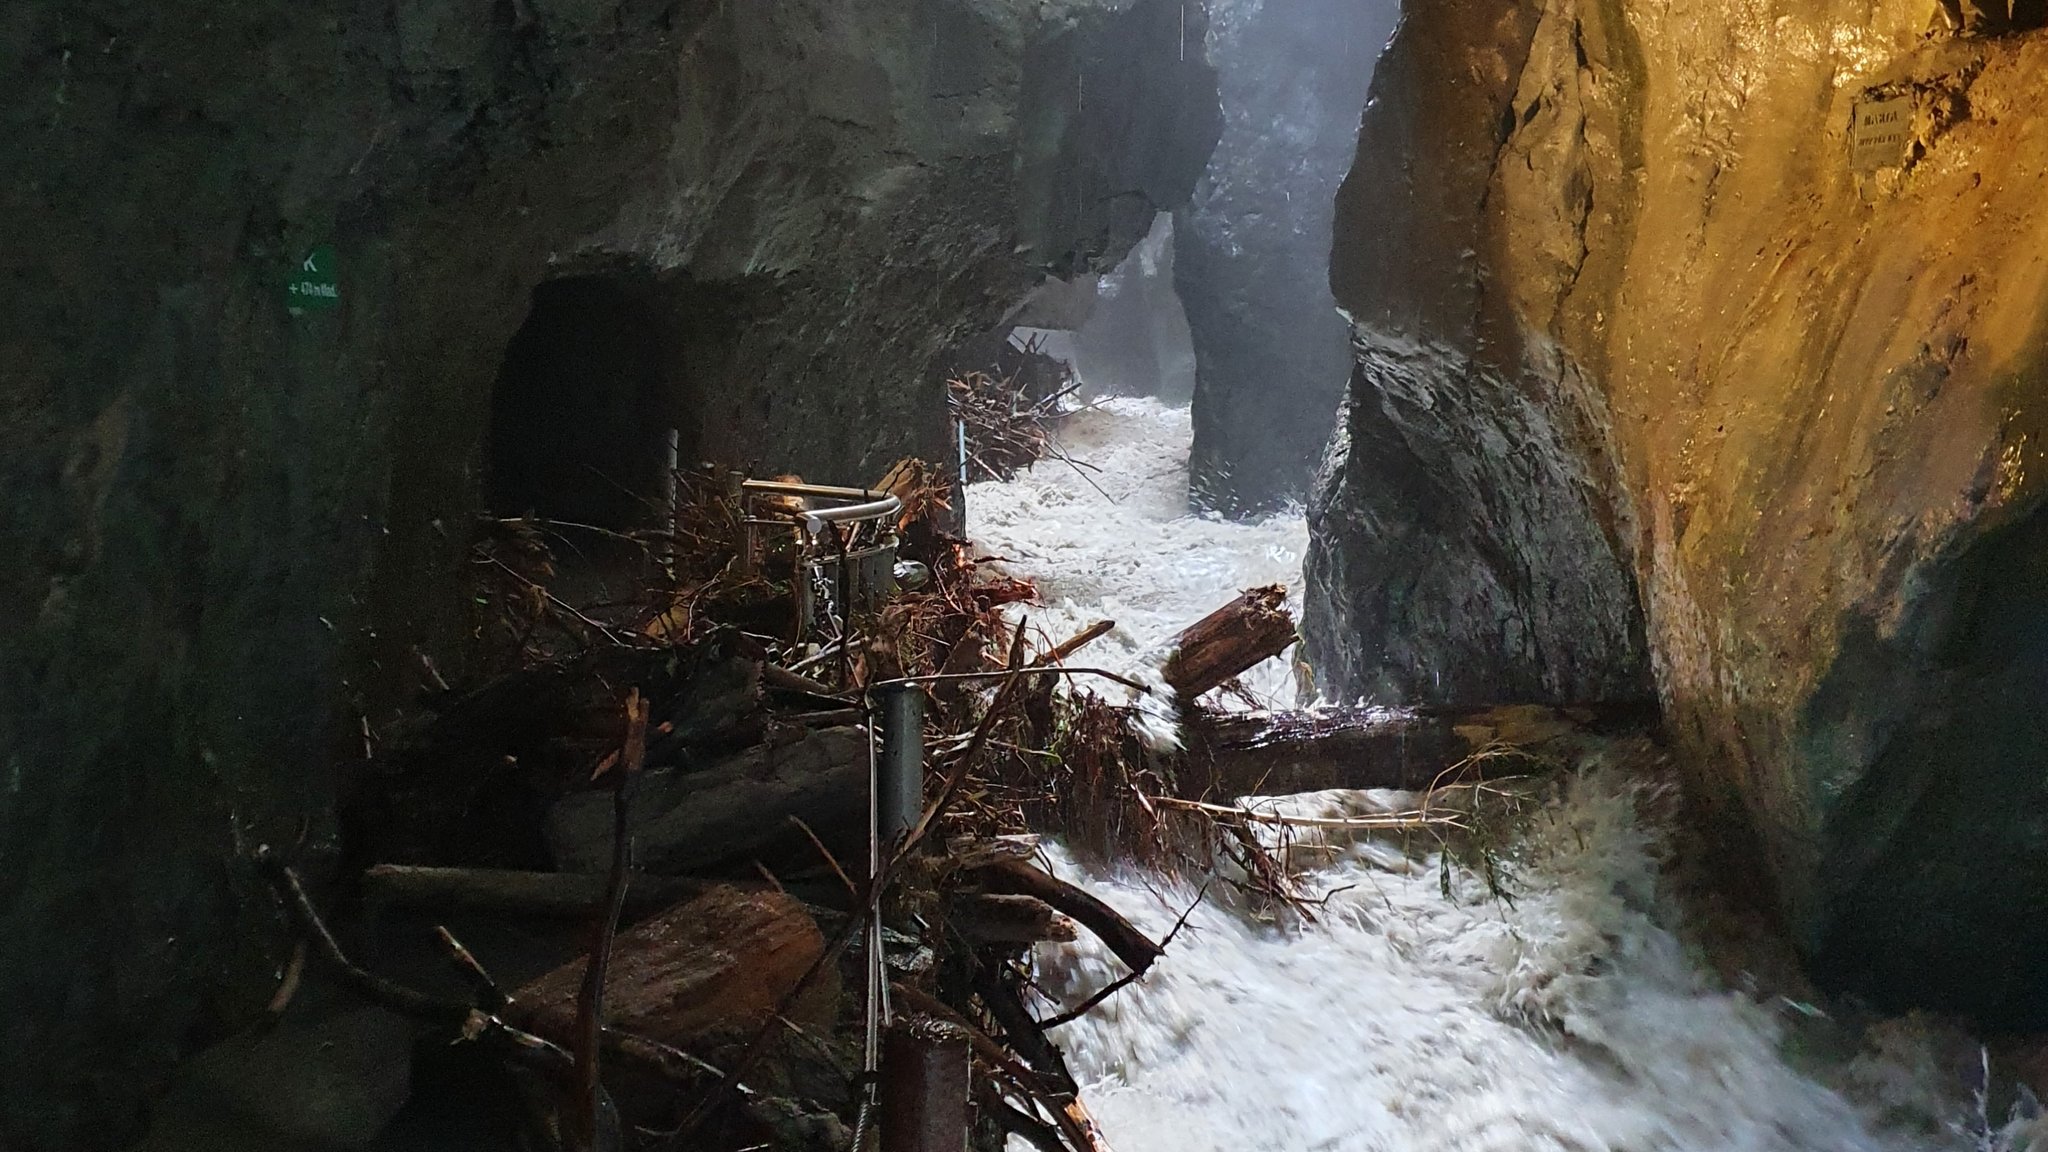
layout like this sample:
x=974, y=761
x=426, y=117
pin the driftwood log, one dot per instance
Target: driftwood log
x=1230, y=640
x=1276, y=753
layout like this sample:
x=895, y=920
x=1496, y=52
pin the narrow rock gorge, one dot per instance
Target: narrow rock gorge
x=1671, y=377
x=1251, y=245
x=293, y=294
x=1667, y=384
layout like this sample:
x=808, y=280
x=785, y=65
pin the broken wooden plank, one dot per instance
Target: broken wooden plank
x=1254, y=627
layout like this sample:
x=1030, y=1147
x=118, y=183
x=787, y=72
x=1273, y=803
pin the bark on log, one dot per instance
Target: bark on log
x=1278, y=753
x=1015, y=877
x=731, y=811
x=706, y=969
x=1228, y=641
x=976, y=852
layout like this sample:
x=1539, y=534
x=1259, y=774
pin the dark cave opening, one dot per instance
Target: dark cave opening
x=584, y=405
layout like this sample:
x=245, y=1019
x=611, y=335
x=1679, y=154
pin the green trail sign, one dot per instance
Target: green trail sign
x=314, y=286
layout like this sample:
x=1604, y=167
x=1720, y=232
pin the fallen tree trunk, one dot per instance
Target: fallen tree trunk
x=732, y=811
x=1278, y=753
x=1229, y=641
x=520, y=893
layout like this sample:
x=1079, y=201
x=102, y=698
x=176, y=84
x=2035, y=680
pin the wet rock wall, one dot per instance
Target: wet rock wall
x=1661, y=377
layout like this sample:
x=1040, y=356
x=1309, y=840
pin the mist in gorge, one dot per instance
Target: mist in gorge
x=897, y=575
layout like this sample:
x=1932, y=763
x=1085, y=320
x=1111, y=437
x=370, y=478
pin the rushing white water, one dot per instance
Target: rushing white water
x=1571, y=1018
x=1109, y=536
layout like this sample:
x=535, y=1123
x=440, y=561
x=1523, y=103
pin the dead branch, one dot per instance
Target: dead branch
x=1014, y=1121
x=479, y=1027
x=288, y=984
x=1133, y=947
x=1391, y=821
x=1129, y=978
x=587, y=1116
x=488, y=995
x=1075, y=643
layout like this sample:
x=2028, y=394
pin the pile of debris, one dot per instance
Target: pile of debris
x=1006, y=414
x=787, y=745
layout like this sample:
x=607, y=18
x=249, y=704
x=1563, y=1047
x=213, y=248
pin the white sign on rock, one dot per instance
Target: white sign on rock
x=1882, y=132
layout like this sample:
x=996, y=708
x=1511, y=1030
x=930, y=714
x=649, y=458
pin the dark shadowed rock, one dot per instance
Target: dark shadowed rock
x=540, y=233
x=319, y=1085
x=1468, y=539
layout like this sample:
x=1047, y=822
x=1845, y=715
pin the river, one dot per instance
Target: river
x=1572, y=1016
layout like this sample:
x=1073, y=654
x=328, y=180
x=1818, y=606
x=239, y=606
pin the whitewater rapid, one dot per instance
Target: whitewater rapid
x=1572, y=1017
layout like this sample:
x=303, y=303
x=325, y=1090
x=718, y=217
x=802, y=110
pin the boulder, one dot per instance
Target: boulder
x=320, y=1085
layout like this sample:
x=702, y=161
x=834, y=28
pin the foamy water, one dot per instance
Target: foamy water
x=1572, y=1018
x=1109, y=536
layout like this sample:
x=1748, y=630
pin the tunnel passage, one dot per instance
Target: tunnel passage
x=590, y=386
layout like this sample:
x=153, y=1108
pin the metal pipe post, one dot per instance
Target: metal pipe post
x=899, y=785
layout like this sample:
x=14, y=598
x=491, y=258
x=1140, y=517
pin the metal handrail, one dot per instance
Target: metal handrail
x=873, y=505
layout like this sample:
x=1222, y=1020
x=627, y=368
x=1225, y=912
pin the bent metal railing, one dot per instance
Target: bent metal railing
x=844, y=548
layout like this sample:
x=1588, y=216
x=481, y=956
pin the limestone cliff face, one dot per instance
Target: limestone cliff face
x=232, y=531
x=1250, y=248
x=1647, y=367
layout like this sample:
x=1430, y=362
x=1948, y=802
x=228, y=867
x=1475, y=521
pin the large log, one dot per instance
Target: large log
x=991, y=918
x=708, y=969
x=1277, y=753
x=573, y=894
x=732, y=811
x=1229, y=641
